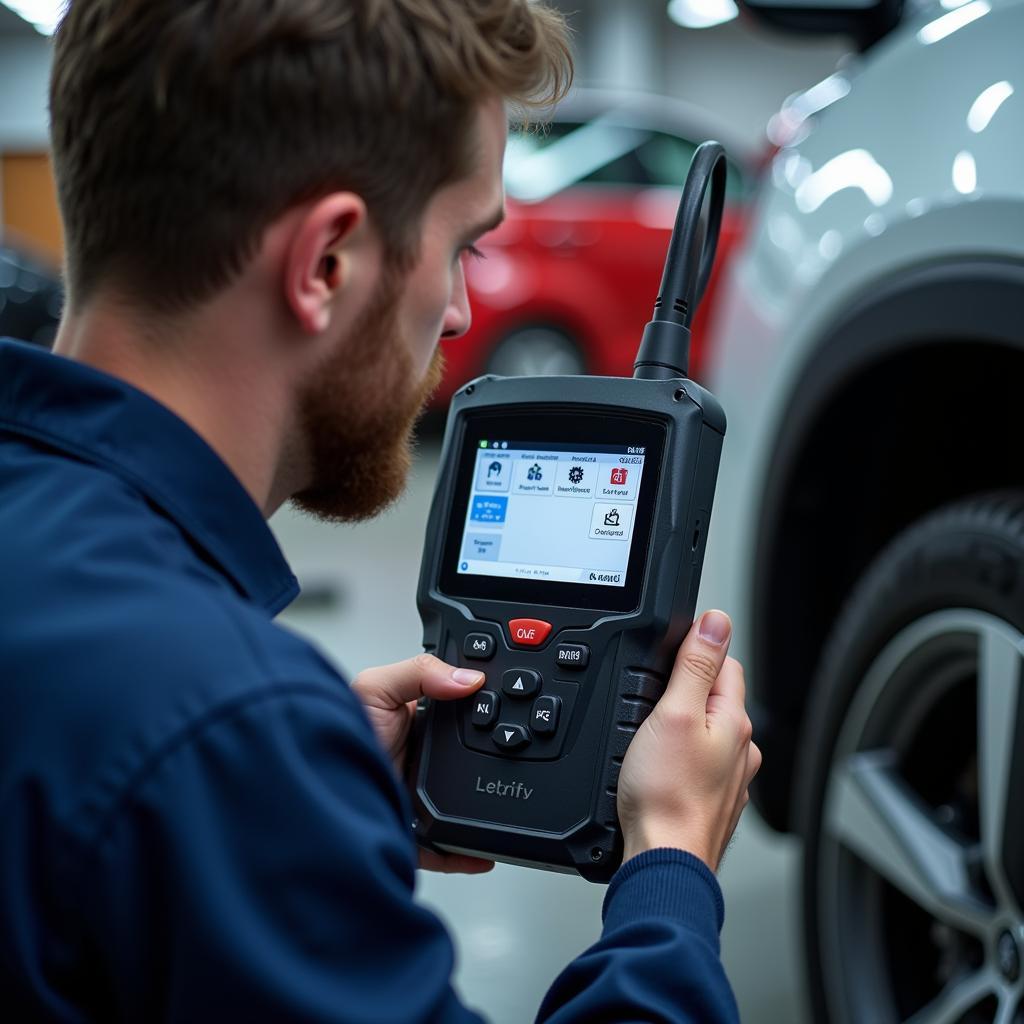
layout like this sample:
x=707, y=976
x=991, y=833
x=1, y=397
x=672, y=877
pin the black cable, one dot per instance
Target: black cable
x=665, y=348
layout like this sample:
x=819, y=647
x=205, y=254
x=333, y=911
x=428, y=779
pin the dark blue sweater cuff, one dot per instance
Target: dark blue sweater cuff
x=666, y=883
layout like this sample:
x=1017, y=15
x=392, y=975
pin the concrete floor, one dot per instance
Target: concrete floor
x=515, y=928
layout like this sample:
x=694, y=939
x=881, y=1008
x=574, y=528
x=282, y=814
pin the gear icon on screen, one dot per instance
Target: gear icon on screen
x=576, y=474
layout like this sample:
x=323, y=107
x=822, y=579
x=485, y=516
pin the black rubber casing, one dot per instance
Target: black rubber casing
x=569, y=821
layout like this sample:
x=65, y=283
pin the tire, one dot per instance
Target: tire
x=538, y=351
x=910, y=783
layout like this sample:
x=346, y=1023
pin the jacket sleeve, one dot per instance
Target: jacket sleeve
x=658, y=955
x=260, y=870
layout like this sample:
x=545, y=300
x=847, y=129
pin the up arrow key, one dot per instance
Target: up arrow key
x=521, y=682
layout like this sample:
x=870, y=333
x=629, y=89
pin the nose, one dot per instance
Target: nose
x=458, y=316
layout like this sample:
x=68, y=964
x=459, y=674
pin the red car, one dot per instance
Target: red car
x=570, y=278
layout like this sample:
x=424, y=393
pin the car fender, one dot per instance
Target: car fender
x=821, y=253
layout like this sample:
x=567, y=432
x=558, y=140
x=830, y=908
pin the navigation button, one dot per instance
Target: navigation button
x=510, y=737
x=520, y=682
x=528, y=632
x=545, y=715
x=572, y=655
x=479, y=646
x=485, y=708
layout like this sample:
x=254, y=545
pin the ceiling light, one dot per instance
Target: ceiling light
x=42, y=14
x=702, y=13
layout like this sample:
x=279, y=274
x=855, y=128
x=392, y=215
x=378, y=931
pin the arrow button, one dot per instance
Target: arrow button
x=484, y=708
x=521, y=682
x=510, y=737
x=545, y=715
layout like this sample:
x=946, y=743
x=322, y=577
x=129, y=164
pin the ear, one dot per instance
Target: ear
x=321, y=256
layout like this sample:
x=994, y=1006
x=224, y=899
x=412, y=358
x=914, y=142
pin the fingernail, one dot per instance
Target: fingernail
x=467, y=677
x=714, y=627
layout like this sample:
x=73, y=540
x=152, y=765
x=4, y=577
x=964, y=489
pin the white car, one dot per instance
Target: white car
x=868, y=533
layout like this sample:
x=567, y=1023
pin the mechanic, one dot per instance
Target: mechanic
x=267, y=206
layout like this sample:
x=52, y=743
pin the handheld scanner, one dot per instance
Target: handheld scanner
x=563, y=558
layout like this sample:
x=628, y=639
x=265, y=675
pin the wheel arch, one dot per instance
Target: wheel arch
x=905, y=404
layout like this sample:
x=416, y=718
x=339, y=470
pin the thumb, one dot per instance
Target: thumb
x=700, y=659
x=392, y=686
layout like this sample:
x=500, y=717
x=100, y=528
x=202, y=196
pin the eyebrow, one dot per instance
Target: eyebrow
x=489, y=224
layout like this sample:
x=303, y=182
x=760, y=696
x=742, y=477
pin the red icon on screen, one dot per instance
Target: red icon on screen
x=619, y=476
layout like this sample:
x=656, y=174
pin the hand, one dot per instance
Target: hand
x=685, y=776
x=389, y=694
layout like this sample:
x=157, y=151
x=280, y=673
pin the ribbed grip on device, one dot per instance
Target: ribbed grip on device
x=638, y=693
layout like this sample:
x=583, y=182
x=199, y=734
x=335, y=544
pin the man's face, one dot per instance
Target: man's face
x=358, y=410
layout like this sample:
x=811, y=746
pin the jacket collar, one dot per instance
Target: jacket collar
x=103, y=420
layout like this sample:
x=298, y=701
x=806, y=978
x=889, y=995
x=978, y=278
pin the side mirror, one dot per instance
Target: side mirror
x=866, y=21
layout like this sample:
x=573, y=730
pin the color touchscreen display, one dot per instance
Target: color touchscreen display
x=555, y=511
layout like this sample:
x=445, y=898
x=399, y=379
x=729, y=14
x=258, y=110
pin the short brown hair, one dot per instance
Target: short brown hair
x=182, y=128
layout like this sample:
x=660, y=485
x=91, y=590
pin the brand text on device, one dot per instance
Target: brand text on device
x=512, y=790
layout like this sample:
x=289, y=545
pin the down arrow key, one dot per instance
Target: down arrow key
x=510, y=737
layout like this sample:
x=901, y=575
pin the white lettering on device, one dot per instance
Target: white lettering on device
x=522, y=633
x=512, y=790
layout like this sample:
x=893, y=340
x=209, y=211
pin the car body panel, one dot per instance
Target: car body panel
x=898, y=174
x=571, y=266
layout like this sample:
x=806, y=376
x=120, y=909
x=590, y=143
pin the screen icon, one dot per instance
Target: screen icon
x=576, y=474
x=619, y=475
x=611, y=522
x=535, y=472
x=488, y=510
x=493, y=471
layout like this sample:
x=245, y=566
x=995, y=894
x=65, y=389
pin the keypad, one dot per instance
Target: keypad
x=525, y=708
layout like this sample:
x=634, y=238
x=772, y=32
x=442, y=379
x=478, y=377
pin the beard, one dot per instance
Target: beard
x=357, y=414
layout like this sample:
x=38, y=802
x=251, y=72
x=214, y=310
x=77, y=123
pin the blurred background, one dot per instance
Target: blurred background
x=867, y=294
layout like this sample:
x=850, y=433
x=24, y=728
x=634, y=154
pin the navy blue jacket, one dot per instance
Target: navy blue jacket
x=196, y=822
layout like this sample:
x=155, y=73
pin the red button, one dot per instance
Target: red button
x=529, y=632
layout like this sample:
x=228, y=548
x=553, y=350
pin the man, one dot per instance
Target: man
x=267, y=206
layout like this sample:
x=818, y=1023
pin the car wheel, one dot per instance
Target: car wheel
x=536, y=352
x=911, y=798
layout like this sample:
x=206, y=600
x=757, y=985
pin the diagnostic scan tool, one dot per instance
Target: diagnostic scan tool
x=563, y=558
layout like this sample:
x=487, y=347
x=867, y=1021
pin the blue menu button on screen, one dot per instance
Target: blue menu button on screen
x=488, y=509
